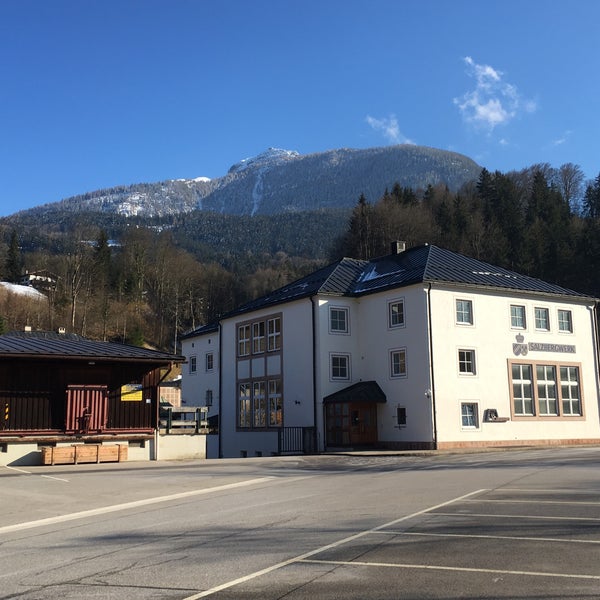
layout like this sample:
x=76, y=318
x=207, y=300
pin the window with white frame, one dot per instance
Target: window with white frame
x=193, y=364
x=396, y=313
x=338, y=320
x=542, y=319
x=398, y=362
x=565, y=321
x=546, y=390
x=517, y=316
x=209, y=361
x=258, y=337
x=466, y=362
x=244, y=340
x=274, y=334
x=340, y=366
x=464, y=312
x=469, y=415
x=569, y=391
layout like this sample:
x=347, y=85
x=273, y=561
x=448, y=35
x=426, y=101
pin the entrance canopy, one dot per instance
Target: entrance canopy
x=363, y=391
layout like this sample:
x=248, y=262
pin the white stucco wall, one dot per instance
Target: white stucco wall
x=492, y=338
x=294, y=366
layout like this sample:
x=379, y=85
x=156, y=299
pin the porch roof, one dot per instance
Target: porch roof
x=363, y=391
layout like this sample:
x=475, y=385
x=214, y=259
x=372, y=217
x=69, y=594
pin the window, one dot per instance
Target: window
x=243, y=340
x=256, y=409
x=565, y=322
x=398, y=363
x=259, y=404
x=193, y=364
x=401, y=415
x=274, y=334
x=338, y=320
x=522, y=384
x=569, y=390
x=546, y=390
x=258, y=337
x=208, y=398
x=244, y=405
x=466, y=362
x=469, y=414
x=210, y=361
x=542, y=319
x=275, y=403
x=464, y=312
x=396, y=313
x=340, y=366
x=517, y=316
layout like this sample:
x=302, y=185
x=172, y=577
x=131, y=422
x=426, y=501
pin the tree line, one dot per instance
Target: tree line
x=156, y=280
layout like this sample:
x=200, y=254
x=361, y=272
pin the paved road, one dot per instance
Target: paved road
x=511, y=524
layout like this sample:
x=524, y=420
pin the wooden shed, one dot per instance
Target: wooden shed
x=57, y=388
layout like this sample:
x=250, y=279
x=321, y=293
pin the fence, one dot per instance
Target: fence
x=179, y=419
x=297, y=440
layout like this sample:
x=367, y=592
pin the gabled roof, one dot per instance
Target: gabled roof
x=46, y=344
x=420, y=264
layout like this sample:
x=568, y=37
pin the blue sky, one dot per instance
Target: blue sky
x=99, y=93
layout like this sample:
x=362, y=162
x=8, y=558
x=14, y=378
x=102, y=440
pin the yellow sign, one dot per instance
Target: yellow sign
x=131, y=392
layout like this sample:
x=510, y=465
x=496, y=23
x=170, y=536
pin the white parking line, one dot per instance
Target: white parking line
x=444, y=568
x=127, y=505
x=30, y=473
x=569, y=503
x=488, y=516
x=491, y=537
x=307, y=555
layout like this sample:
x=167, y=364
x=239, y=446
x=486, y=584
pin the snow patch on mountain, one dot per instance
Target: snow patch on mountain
x=268, y=158
x=22, y=290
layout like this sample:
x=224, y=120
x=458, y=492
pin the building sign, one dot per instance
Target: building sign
x=520, y=348
x=131, y=392
x=536, y=346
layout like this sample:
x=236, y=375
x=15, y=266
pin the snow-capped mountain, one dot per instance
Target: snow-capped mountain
x=280, y=180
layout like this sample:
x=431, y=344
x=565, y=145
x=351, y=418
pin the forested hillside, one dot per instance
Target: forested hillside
x=148, y=280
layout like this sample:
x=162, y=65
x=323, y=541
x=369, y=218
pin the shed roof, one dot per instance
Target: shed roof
x=46, y=344
x=363, y=391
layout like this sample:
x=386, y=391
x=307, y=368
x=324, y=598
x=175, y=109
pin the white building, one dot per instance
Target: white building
x=423, y=348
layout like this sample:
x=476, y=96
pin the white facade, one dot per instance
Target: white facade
x=442, y=354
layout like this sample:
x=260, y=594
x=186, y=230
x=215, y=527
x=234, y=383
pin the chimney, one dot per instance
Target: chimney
x=62, y=330
x=398, y=247
x=27, y=327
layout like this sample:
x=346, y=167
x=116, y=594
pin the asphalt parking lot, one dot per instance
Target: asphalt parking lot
x=506, y=525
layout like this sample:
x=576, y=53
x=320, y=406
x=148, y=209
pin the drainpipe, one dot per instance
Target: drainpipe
x=431, y=370
x=314, y=366
x=594, y=311
x=220, y=413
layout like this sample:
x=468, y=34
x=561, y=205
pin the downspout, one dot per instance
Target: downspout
x=431, y=369
x=594, y=310
x=314, y=368
x=220, y=413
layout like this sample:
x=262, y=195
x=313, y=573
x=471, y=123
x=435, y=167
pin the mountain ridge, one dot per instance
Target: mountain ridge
x=279, y=180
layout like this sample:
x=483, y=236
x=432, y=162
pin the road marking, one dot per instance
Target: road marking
x=307, y=555
x=492, y=537
x=492, y=517
x=127, y=505
x=567, y=502
x=444, y=568
x=19, y=470
x=55, y=478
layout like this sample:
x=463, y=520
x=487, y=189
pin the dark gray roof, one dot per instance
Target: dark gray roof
x=420, y=264
x=46, y=344
x=363, y=391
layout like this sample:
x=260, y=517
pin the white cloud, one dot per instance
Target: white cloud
x=389, y=128
x=562, y=139
x=493, y=101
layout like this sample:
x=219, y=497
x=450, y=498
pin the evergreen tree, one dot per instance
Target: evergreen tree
x=14, y=262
